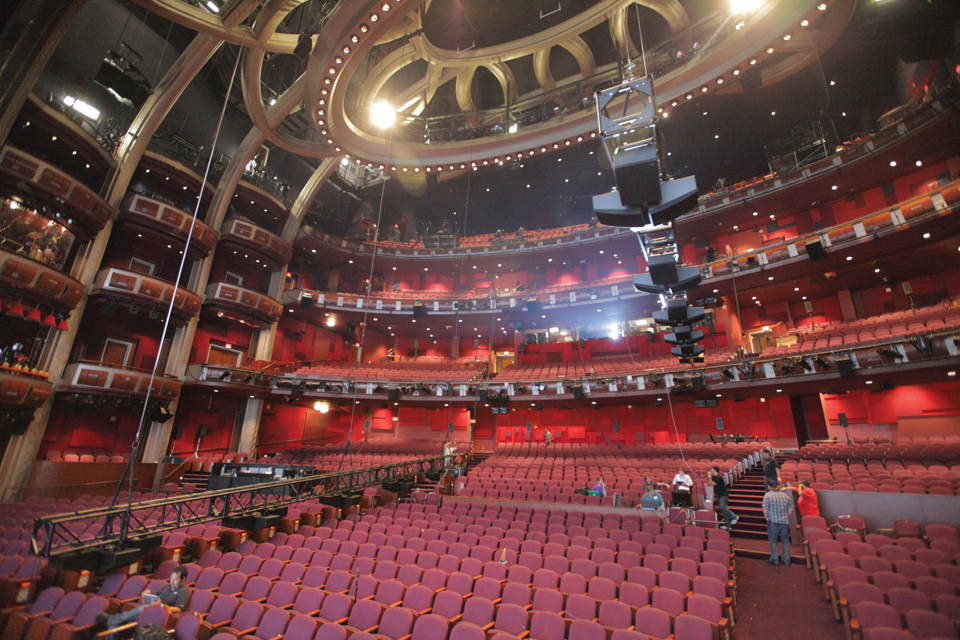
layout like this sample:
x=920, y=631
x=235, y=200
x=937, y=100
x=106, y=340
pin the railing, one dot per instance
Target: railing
x=43, y=179
x=91, y=377
x=167, y=218
x=256, y=305
x=940, y=202
x=146, y=289
x=713, y=202
x=676, y=51
x=737, y=371
x=145, y=519
x=469, y=302
x=37, y=281
x=502, y=247
x=258, y=239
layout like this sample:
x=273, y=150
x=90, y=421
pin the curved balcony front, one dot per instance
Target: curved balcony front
x=920, y=131
x=245, y=305
x=27, y=278
x=98, y=379
x=23, y=390
x=475, y=246
x=24, y=175
x=604, y=291
x=249, y=236
x=165, y=218
x=143, y=289
x=877, y=234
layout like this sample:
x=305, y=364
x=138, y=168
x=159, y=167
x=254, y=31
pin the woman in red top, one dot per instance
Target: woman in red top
x=807, y=503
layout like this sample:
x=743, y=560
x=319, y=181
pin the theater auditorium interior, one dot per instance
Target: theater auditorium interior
x=380, y=318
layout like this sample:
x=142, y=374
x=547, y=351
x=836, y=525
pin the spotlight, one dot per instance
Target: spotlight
x=726, y=372
x=922, y=344
x=382, y=115
x=226, y=374
x=820, y=362
x=803, y=363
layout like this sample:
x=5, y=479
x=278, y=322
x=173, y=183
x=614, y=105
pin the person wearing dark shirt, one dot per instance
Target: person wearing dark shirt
x=174, y=595
x=651, y=499
x=771, y=470
x=722, y=495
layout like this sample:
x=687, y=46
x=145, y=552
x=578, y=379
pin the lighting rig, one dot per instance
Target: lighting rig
x=648, y=201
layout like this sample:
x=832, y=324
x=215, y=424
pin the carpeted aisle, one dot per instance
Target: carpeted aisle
x=782, y=603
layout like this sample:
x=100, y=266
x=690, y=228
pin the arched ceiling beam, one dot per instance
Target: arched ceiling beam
x=671, y=10
x=465, y=93
x=215, y=25
x=620, y=33
x=541, y=68
x=270, y=16
x=164, y=96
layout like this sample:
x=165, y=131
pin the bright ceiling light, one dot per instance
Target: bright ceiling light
x=322, y=407
x=382, y=114
x=744, y=6
x=213, y=7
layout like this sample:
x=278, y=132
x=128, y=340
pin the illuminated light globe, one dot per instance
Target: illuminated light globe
x=382, y=115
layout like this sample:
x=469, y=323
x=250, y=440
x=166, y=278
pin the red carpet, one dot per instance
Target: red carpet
x=781, y=603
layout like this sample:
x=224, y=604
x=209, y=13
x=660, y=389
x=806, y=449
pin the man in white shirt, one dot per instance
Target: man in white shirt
x=682, y=484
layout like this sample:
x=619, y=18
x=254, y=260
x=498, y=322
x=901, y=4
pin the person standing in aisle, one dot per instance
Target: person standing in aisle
x=722, y=495
x=771, y=470
x=777, y=507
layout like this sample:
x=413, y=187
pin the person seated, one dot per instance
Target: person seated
x=175, y=595
x=600, y=488
x=682, y=485
x=651, y=499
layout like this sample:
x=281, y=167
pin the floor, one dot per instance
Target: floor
x=781, y=603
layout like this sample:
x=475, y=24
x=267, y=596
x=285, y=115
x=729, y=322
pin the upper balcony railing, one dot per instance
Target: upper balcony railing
x=938, y=203
x=258, y=239
x=100, y=379
x=169, y=219
x=483, y=245
x=618, y=287
x=909, y=118
x=40, y=179
x=676, y=51
x=144, y=289
x=28, y=278
x=257, y=306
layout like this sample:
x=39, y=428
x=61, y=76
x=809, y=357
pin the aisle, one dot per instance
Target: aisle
x=783, y=603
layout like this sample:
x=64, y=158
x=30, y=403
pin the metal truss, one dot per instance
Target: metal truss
x=123, y=525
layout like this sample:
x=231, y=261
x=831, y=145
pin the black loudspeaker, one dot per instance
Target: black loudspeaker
x=476, y=344
x=907, y=288
x=842, y=417
x=719, y=424
x=366, y=425
x=483, y=395
x=616, y=426
x=845, y=367
x=306, y=302
x=418, y=310
x=697, y=383
x=177, y=433
x=808, y=306
x=577, y=392
x=532, y=306
x=202, y=431
x=815, y=249
x=392, y=394
x=522, y=347
x=639, y=181
x=583, y=343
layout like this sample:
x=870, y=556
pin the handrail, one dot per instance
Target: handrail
x=213, y=505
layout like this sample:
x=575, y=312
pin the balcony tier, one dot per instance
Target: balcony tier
x=251, y=306
x=26, y=175
x=139, y=288
x=478, y=246
x=257, y=239
x=35, y=281
x=168, y=219
x=97, y=379
x=23, y=390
